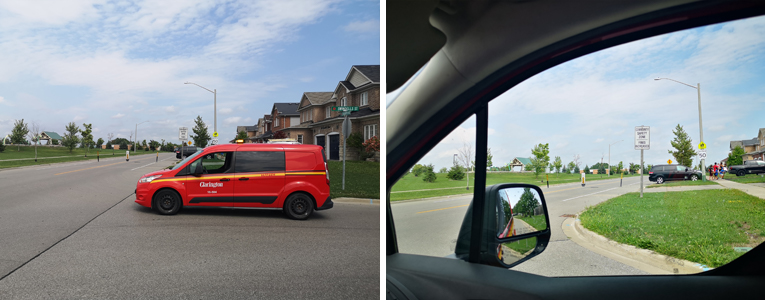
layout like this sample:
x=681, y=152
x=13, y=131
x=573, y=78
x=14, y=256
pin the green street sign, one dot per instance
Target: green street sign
x=345, y=108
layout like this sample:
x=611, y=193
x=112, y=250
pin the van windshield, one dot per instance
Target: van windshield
x=191, y=157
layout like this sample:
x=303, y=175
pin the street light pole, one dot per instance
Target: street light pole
x=215, y=104
x=701, y=131
x=135, y=140
x=609, y=157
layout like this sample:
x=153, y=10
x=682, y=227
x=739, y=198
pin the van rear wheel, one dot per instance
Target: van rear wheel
x=659, y=180
x=298, y=206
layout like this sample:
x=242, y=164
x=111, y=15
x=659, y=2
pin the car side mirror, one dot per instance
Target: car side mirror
x=515, y=226
x=198, y=170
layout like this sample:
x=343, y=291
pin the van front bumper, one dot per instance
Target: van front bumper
x=327, y=204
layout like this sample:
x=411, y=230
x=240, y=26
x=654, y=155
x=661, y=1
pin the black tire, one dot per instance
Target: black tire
x=298, y=206
x=740, y=173
x=659, y=180
x=167, y=202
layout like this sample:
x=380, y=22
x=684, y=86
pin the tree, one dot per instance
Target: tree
x=601, y=169
x=557, y=164
x=736, y=157
x=110, y=137
x=684, y=146
x=586, y=169
x=456, y=173
x=54, y=141
x=527, y=203
x=443, y=170
x=201, y=137
x=620, y=167
x=143, y=144
x=540, y=159
x=488, y=158
x=565, y=171
x=20, y=129
x=99, y=142
x=153, y=145
x=241, y=135
x=87, y=137
x=571, y=166
x=464, y=156
x=576, y=169
x=576, y=161
x=123, y=145
x=418, y=169
x=34, y=136
x=70, y=139
x=429, y=175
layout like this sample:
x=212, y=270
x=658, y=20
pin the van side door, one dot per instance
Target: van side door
x=215, y=186
x=259, y=178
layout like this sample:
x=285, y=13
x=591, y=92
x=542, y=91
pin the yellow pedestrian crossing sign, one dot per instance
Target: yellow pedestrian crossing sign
x=669, y=161
x=702, y=146
x=215, y=134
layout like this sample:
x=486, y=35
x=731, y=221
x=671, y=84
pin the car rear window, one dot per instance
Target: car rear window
x=259, y=161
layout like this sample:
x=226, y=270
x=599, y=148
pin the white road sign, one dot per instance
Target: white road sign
x=183, y=133
x=214, y=142
x=642, y=137
x=702, y=154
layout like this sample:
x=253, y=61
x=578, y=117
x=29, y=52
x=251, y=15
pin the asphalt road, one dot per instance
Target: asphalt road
x=73, y=231
x=430, y=227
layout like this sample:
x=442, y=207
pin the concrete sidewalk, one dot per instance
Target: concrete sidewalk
x=753, y=190
x=356, y=200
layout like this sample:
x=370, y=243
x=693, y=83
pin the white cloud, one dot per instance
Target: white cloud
x=232, y=120
x=599, y=140
x=170, y=109
x=117, y=116
x=225, y=111
x=78, y=118
x=369, y=26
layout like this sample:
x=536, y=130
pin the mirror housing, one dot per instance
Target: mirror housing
x=492, y=244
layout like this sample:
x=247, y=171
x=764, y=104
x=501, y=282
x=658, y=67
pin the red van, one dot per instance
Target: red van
x=293, y=178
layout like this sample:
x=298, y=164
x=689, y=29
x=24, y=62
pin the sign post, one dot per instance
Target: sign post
x=703, y=157
x=183, y=135
x=642, y=142
x=346, y=133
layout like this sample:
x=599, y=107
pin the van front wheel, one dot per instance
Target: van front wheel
x=298, y=206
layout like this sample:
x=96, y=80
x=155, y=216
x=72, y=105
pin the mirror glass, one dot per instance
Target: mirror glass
x=511, y=252
x=519, y=212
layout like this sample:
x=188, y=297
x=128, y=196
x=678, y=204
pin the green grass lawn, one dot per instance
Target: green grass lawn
x=699, y=226
x=411, y=187
x=538, y=222
x=362, y=179
x=682, y=183
x=522, y=246
x=746, y=178
x=49, y=155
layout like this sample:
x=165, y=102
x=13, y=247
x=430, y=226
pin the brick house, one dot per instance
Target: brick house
x=361, y=88
x=312, y=107
x=283, y=116
x=251, y=131
x=264, y=130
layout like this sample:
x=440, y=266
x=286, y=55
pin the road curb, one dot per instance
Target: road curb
x=64, y=162
x=642, y=259
x=356, y=200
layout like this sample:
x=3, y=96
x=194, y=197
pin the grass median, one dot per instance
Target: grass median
x=682, y=183
x=412, y=187
x=49, y=155
x=746, y=178
x=362, y=179
x=701, y=226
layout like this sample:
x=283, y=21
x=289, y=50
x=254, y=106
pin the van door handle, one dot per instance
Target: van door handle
x=225, y=179
x=244, y=178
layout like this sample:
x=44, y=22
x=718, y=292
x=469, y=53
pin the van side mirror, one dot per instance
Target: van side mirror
x=515, y=228
x=198, y=170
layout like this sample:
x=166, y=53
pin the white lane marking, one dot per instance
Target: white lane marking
x=150, y=164
x=592, y=194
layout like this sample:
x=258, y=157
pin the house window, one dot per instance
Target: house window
x=328, y=110
x=300, y=138
x=370, y=131
x=277, y=122
x=343, y=102
x=364, y=99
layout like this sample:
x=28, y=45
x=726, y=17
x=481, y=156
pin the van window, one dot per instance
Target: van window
x=300, y=161
x=213, y=163
x=259, y=161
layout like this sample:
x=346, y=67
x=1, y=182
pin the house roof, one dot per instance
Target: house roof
x=318, y=98
x=751, y=142
x=524, y=160
x=287, y=109
x=372, y=72
x=52, y=135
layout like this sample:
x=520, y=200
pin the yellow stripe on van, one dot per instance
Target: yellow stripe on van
x=306, y=173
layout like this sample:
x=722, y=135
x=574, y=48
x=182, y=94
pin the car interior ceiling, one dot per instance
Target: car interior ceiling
x=474, y=68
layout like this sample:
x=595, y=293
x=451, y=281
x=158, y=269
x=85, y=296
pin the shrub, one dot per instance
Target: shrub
x=372, y=144
x=418, y=169
x=2, y=147
x=456, y=173
x=443, y=170
x=430, y=176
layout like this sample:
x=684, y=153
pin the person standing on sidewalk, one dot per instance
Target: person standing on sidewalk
x=711, y=171
x=717, y=171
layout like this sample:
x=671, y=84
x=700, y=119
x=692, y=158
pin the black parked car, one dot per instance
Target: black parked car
x=661, y=173
x=187, y=150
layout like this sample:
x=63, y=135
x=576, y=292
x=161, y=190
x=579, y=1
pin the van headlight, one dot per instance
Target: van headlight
x=149, y=178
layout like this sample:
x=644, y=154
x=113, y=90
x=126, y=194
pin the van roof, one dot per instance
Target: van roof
x=263, y=147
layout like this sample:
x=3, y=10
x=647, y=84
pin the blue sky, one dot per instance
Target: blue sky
x=582, y=106
x=117, y=63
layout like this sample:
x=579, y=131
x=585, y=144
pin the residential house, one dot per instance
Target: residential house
x=759, y=147
x=264, y=130
x=313, y=107
x=749, y=146
x=251, y=131
x=361, y=88
x=284, y=115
